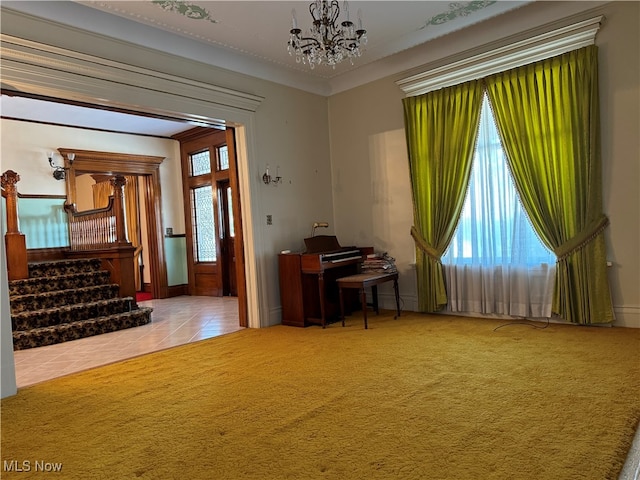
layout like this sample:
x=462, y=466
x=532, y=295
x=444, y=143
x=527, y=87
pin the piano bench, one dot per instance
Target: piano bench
x=362, y=281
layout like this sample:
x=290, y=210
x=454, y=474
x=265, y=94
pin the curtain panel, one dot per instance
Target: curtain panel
x=101, y=193
x=441, y=131
x=132, y=217
x=547, y=114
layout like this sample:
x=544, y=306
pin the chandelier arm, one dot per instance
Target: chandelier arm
x=335, y=11
x=310, y=41
x=340, y=39
x=350, y=44
x=311, y=10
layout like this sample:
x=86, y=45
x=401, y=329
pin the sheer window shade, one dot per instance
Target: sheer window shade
x=496, y=264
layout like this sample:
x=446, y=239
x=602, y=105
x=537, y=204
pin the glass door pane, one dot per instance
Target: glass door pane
x=203, y=222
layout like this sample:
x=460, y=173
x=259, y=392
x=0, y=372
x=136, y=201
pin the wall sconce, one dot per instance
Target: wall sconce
x=267, y=179
x=59, y=173
x=318, y=225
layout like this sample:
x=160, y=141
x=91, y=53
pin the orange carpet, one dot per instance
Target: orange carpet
x=421, y=397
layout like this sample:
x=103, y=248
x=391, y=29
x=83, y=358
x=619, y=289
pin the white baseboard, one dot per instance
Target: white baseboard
x=387, y=301
x=627, y=316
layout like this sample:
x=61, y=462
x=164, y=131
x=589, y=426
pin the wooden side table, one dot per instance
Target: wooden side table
x=362, y=281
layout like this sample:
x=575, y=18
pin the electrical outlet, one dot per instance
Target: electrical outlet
x=269, y=220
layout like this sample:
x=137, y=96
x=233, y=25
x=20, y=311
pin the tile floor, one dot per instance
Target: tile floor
x=175, y=321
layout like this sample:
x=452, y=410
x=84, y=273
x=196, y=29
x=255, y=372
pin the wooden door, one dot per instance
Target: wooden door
x=200, y=167
x=227, y=241
x=209, y=160
x=208, y=165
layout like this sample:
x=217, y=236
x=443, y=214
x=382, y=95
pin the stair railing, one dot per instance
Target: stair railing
x=102, y=233
x=15, y=241
x=99, y=233
x=91, y=229
x=101, y=227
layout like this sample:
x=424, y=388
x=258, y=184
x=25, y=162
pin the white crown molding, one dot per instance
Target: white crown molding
x=23, y=58
x=513, y=54
x=66, y=15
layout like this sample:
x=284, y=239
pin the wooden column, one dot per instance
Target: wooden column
x=118, y=182
x=122, y=262
x=15, y=242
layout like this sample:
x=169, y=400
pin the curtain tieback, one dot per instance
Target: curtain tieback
x=423, y=245
x=581, y=239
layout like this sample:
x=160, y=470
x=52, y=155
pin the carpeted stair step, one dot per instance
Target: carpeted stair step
x=23, y=339
x=64, y=267
x=67, y=300
x=49, y=317
x=59, y=298
x=67, y=281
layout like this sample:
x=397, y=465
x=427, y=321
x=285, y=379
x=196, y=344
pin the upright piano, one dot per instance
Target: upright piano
x=308, y=288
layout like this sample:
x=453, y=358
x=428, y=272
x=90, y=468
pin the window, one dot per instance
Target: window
x=223, y=157
x=199, y=163
x=232, y=231
x=436, y=208
x=494, y=228
x=202, y=214
x=496, y=264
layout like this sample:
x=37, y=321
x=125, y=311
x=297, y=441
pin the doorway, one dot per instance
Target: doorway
x=212, y=211
x=159, y=95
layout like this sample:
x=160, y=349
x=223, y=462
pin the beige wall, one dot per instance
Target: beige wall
x=372, y=198
x=369, y=159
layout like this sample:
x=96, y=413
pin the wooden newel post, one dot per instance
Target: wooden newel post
x=118, y=182
x=15, y=242
x=9, y=180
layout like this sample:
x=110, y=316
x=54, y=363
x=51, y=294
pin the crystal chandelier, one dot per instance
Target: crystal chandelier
x=327, y=41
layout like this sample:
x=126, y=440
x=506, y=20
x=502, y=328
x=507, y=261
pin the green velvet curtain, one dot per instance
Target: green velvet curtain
x=547, y=114
x=441, y=129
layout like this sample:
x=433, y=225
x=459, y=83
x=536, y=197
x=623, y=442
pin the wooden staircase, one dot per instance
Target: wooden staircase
x=67, y=300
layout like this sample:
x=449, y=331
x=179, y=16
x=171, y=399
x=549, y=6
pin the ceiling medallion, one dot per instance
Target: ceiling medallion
x=327, y=41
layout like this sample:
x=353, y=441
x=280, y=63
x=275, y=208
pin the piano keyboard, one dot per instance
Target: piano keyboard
x=341, y=256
